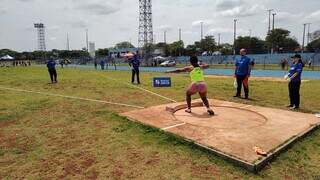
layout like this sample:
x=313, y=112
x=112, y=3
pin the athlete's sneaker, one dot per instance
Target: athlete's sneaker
x=188, y=110
x=210, y=112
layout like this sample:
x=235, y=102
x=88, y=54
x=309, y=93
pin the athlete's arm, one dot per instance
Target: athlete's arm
x=204, y=66
x=179, y=70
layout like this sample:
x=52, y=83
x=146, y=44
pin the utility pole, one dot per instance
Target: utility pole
x=250, y=32
x=201, y=23
x=234, y=35
x=304, y=35
x=273, y=14
x=180, y=34
x=309, y=34
x=87, y=40
x=68, y=43
x=269, y=27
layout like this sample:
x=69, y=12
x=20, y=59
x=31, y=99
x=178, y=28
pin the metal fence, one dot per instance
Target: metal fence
x=314, y=58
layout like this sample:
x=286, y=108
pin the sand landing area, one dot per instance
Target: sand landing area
x=234, y=132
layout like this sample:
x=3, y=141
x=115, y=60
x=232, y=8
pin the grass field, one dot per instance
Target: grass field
x=45, y=137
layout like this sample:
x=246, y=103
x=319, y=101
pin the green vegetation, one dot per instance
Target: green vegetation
x=44, y=137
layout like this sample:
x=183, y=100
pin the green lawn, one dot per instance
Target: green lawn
x=45, y=137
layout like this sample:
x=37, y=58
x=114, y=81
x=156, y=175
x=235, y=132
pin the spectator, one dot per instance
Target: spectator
x=102, y=64
x=135, y=64
x=52, y=70
x=294, y=78
x=95, y=64
x=242, y=73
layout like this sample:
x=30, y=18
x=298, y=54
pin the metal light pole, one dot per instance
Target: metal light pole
x=201, y=23
x=304, y=35
x=87, y=40
x=219, y=39
x=309, y=35
x=180, y=34
x=165, y=37
x=234, y=35
x=273, y=14
x=269, y=27
x=68, y=43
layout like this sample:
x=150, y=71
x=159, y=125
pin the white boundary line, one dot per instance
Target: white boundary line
x=143, y=90
x=170, y=127
x=71, y=97
x=247, y=106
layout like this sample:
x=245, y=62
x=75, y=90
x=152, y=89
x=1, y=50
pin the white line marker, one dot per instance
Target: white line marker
x=247, y=106
x=71, y=97
x=143, y=90
x=177, y=125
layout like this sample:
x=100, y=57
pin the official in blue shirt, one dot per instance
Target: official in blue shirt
x=242, y=73
x=294, y=78
x=51, y=65
x=135, y=64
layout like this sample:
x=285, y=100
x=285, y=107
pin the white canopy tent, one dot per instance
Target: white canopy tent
x=6, y=57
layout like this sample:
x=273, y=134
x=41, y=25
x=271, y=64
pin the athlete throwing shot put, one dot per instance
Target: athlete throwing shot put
x=198, y=84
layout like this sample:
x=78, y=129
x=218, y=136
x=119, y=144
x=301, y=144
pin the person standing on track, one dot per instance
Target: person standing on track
x=242, y=73
x=294, y=78
x=51, y=65
x=135, y=64
x=198, y=84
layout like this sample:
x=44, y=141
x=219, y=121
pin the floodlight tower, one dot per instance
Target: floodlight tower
x=41, y=36
x=145, y=27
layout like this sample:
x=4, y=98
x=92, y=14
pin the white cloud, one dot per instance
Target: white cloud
x=79, y=24
x=3, y=10
x=99, y=9
x=241, y=11
x=220, y=30
x=313, y=17
x=164, y=27
x=206, y=22
x=111, y=21
x=287, y=16
x=228, y=4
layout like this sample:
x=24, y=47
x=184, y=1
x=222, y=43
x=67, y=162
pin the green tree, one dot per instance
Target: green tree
x=253, y=45
x=176, y=48
x=102, y=52
x=164, y=47
x=206, y=44
x=314, y=45
x=226, y=49
x=280, y=40
x=9, y=52
x=124, y=44
x=192, y=50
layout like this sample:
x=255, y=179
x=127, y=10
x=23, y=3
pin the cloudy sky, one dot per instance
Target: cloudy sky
x=112, y=21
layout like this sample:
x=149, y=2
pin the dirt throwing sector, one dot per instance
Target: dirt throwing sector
x=234, y=132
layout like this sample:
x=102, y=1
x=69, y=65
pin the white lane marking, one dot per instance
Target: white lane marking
x=71, y=97
x=159, y=95
x=247, y=106
x=177, y=125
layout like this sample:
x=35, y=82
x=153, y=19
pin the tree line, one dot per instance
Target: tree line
x=279, y=40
